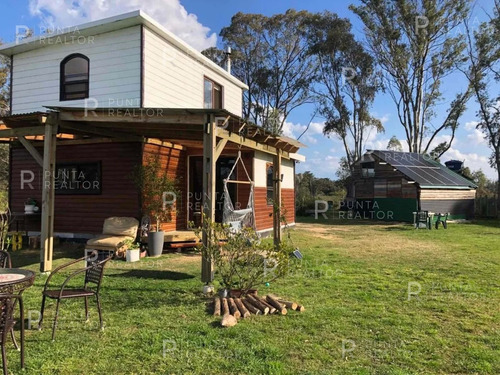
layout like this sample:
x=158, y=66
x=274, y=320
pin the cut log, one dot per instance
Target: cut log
x=243, y=310
x=228, y=321
x=251, y=308
x=254, y=301
x=225, y=307
x=300, y=308
x=278, y=306
x=233, y=309
x=216, y=306
x=290, y=305
x=272, y=310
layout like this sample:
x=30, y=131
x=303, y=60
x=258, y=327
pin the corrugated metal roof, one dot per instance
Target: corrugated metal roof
x=424, y=170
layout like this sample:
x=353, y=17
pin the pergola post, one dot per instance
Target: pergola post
x=48, y=190
x=277, y=198
x=209, y=197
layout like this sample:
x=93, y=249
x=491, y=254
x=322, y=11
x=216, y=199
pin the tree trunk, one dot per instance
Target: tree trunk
x=498, y=189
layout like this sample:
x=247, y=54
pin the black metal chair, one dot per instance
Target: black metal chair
x=5, y=261
x=91, y=286
x=7, y=323
x=422, y=217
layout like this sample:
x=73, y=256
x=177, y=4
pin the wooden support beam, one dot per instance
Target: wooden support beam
x=247, y=142
x=277, y=198
x=90, y=129
x=48, y=189
x=22, y=132
x=131, y=115
x=219, y=148
x=224, y=123
x=209, y=198
x=32, y=150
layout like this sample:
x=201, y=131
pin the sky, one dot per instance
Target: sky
x=199, y=22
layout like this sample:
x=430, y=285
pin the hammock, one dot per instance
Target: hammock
x=238, y=219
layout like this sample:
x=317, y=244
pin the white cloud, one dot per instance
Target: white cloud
x=471, y=125
x=384, y=119
x=476, y=137
x=293, y=130
x=325, y=166
x=57, y=14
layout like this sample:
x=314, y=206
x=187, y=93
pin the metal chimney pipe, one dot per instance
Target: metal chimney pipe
x=228, y=59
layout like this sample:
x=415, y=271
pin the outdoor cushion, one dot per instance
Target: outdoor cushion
x=106, y=242
x=121, y=226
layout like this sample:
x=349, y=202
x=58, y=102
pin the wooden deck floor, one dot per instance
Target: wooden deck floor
x=181, y=236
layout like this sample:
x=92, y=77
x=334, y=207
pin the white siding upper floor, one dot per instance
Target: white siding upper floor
x=260, y=163
x=174, y=79
x=133, y=62
x=115, y=72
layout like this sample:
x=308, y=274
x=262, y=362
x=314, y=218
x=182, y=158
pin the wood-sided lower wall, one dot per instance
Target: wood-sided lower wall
x=174, y=161
x=83, y=214
x=459, y=203
x=264, y=212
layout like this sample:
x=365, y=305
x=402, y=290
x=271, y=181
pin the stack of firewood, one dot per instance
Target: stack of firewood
x=232, y=309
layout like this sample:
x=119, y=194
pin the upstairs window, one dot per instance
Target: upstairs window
x=368, y=169
x=74, y=77
x=212, y=95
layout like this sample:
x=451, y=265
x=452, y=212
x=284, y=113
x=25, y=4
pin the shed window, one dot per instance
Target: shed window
x=269, y=183
x=74, y=77
x=212, y=94
x=78, y=178
x=368, y=169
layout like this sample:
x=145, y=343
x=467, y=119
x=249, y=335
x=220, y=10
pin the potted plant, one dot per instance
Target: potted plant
x=133, y=253
x=242, y=260
x=158, y=193
x=30, y=206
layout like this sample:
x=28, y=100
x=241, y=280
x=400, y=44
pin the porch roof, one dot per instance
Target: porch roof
x=184, y=126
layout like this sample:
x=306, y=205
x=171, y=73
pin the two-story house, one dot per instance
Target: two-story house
x=91, y=102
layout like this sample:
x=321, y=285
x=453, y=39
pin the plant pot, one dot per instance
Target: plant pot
x=133, y=255
x=29, y=208
x=156, y=241
x=208, y=289
x=223, y=293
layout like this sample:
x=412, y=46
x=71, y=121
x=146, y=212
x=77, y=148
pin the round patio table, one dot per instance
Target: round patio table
x=15, y=281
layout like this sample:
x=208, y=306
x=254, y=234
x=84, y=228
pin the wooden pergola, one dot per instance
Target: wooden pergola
x=212, y=129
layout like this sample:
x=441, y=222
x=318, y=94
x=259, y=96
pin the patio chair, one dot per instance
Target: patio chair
x=422, y=217
x=5, y=261
x=442, y=218
x=7, y=323
x=115, y=231
x=93, y=275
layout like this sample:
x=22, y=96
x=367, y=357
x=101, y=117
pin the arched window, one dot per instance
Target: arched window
x=74, y=77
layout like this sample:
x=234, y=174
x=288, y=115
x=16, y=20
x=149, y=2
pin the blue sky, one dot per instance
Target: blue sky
x=199, y=22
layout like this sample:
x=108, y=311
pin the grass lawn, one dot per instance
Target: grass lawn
x=354, y=282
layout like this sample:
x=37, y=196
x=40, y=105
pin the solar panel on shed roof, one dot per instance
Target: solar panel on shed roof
x=423, y=169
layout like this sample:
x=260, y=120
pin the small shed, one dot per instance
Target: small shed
x=390, y=185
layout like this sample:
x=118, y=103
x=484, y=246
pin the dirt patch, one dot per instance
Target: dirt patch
x=374, y=242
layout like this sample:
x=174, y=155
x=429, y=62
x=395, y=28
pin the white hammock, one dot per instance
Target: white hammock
x=238, y=219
